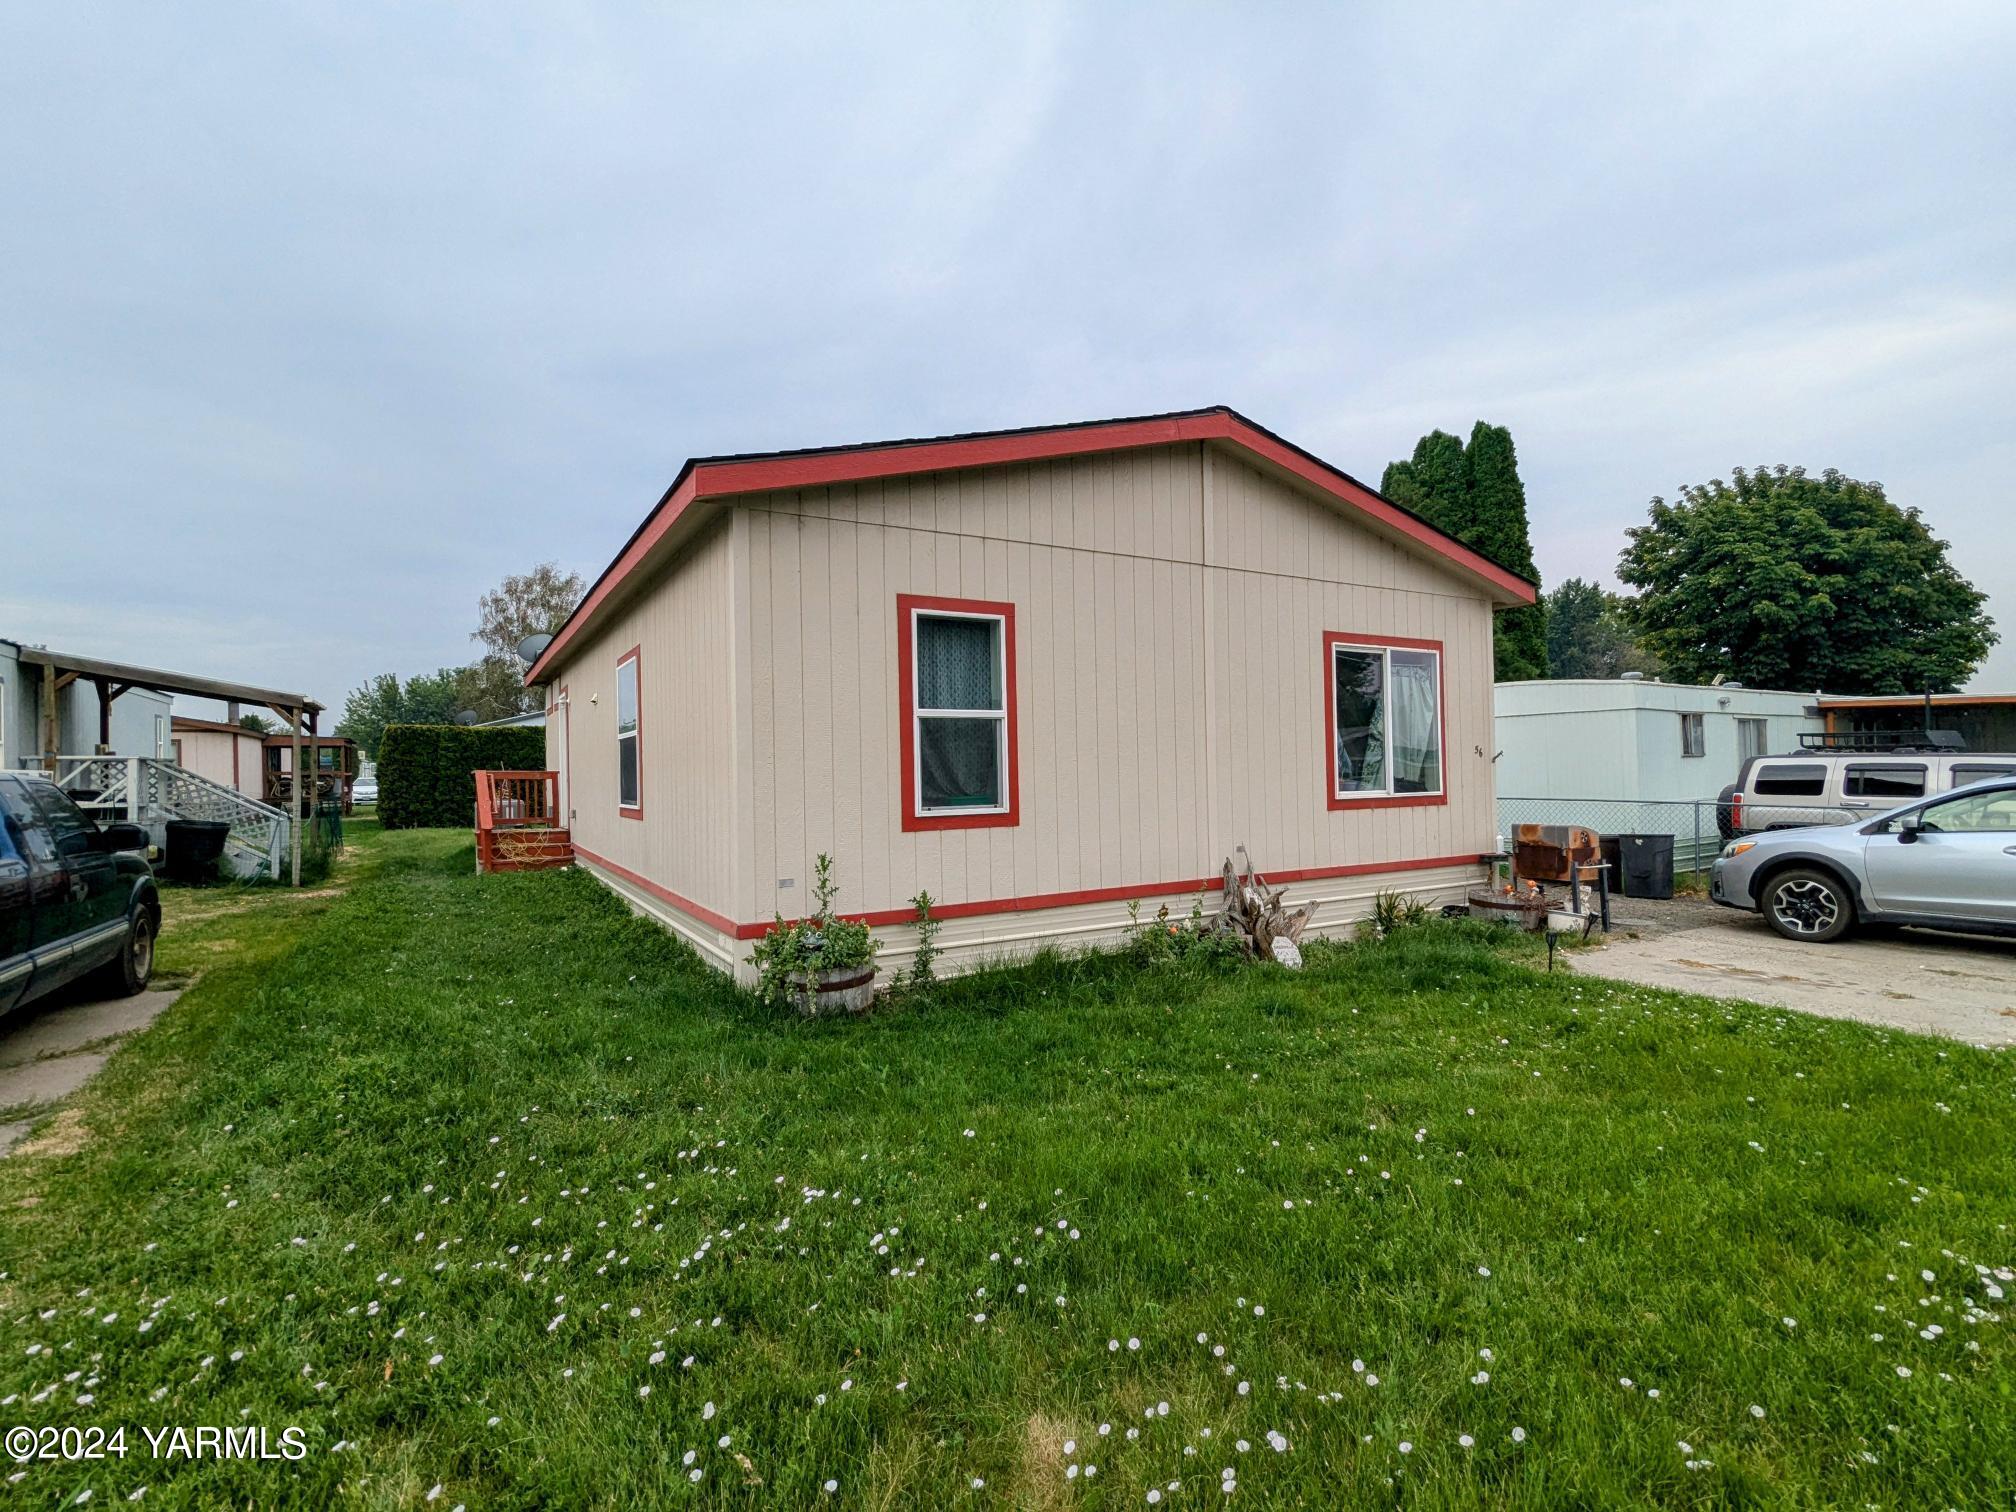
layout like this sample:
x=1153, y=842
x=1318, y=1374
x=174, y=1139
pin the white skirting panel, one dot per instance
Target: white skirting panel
x=1340, y=903
x=963, y=943
x=717, y=949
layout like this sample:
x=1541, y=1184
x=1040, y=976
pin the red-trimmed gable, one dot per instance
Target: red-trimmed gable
x=715, y=478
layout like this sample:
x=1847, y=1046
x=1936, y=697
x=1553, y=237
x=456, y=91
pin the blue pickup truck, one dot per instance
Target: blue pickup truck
x=76, y=899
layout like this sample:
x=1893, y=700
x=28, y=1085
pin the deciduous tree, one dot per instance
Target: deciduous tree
x=1784, y=580
x=1587, y=635
x=530, y=603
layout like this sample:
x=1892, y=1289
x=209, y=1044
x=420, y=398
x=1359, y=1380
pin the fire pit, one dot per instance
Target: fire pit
x=1525, y=907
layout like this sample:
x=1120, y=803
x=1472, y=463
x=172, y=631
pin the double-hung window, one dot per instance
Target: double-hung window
x=1383, y=726
x=956, y=658
x=629, y=740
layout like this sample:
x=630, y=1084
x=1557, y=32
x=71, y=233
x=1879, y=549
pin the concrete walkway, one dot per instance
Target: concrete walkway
x=1915, y=979
x=48, y=1051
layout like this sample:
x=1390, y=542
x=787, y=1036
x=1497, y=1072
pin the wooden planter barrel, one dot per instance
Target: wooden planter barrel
x=841, y=989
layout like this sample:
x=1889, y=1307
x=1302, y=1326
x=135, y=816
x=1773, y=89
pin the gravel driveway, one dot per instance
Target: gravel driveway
x=1915, y=979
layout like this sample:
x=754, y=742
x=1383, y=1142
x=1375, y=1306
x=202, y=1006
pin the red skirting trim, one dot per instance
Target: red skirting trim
x=704, y=914
x=1033, y=902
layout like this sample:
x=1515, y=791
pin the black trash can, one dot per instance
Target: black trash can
x=1647, y=870
x=193, y=849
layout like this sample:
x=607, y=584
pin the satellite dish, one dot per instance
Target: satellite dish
x=532, y=647
x=466, y=717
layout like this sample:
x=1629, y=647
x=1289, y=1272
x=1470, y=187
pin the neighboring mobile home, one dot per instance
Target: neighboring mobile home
x=1636, y=739
x=1039, y=674
x=92, y=716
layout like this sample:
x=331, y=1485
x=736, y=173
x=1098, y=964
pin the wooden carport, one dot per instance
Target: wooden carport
x=114, y=678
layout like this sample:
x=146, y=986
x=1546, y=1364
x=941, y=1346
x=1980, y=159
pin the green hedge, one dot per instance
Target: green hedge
x=427, y=773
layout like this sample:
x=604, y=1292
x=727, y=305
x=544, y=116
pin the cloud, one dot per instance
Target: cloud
x=323, y=321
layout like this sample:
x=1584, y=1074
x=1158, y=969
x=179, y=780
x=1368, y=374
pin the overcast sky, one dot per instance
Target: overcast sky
x=318, y=320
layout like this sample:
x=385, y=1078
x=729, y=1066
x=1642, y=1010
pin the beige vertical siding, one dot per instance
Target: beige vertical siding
x=207, y=753
x=1134, y=597
x=682, y=621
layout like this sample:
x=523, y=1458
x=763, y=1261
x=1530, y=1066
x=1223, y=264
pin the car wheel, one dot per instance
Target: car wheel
x=1812, y=906
x=129, y=971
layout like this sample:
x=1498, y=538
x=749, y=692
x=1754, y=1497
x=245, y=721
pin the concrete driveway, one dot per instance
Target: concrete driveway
x=1914, y=979
x=50, y=1049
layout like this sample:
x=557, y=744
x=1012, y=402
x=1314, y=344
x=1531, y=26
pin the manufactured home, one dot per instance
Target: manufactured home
x=1041, y=674
x=1636, y=739
x=229, y=754
x=46, y=710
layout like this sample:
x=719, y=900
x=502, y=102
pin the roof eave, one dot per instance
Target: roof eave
x=709, y=479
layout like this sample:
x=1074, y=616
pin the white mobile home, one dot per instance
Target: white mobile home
x=1638, y=740
x=92, y=716
x=1039, y=673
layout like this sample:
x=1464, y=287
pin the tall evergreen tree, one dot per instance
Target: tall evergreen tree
x=1474, y=494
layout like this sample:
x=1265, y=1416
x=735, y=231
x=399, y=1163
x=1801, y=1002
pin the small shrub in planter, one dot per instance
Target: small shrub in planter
x=821, y=964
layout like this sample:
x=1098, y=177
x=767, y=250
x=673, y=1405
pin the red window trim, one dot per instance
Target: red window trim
x=623, y=810
x=1332, y=639
x=907, y=606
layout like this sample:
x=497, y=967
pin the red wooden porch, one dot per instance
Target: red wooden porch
x=518, y=822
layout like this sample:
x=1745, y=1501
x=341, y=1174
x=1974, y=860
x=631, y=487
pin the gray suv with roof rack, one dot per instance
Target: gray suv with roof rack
x=1841, y=786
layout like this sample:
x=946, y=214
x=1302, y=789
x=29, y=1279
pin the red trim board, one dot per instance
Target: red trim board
x=699, y=911
x=1335, y=638
x=1030, y=903
x=908, y=606
x=721, y=478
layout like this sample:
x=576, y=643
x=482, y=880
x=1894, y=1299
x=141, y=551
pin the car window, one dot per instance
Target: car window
x=68, y=825
x=1977, y=813
x=1884, y=782
x=24, y=824
x=1791, y=780
x=1962, y=775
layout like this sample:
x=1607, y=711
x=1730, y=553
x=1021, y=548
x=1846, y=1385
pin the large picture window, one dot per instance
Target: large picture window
x=629, y=740
x=957, y=664
x=1383, y=720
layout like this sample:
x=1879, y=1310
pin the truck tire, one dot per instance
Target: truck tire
x=129, y=971
x=1809, y=905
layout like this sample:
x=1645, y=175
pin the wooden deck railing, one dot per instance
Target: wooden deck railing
x=506, y=800
x=519, y=826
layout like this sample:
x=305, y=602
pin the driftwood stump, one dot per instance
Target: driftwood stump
x=1251, y=912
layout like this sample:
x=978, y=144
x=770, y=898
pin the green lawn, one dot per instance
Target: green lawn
x=487, y=1186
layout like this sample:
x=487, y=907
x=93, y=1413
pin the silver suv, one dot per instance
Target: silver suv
x=1844, y=787
x=1947, y=863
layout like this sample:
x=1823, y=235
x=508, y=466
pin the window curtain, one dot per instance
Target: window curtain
x=959, y=762
x=959, y=667
x=1415, y=715
x=956, y=664
x=1361, y=721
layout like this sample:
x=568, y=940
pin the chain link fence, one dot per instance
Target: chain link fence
x=1693, y=824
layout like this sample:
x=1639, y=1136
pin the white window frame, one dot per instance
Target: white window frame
x=635, y=805
x=1388, y=793
x=918, y=713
